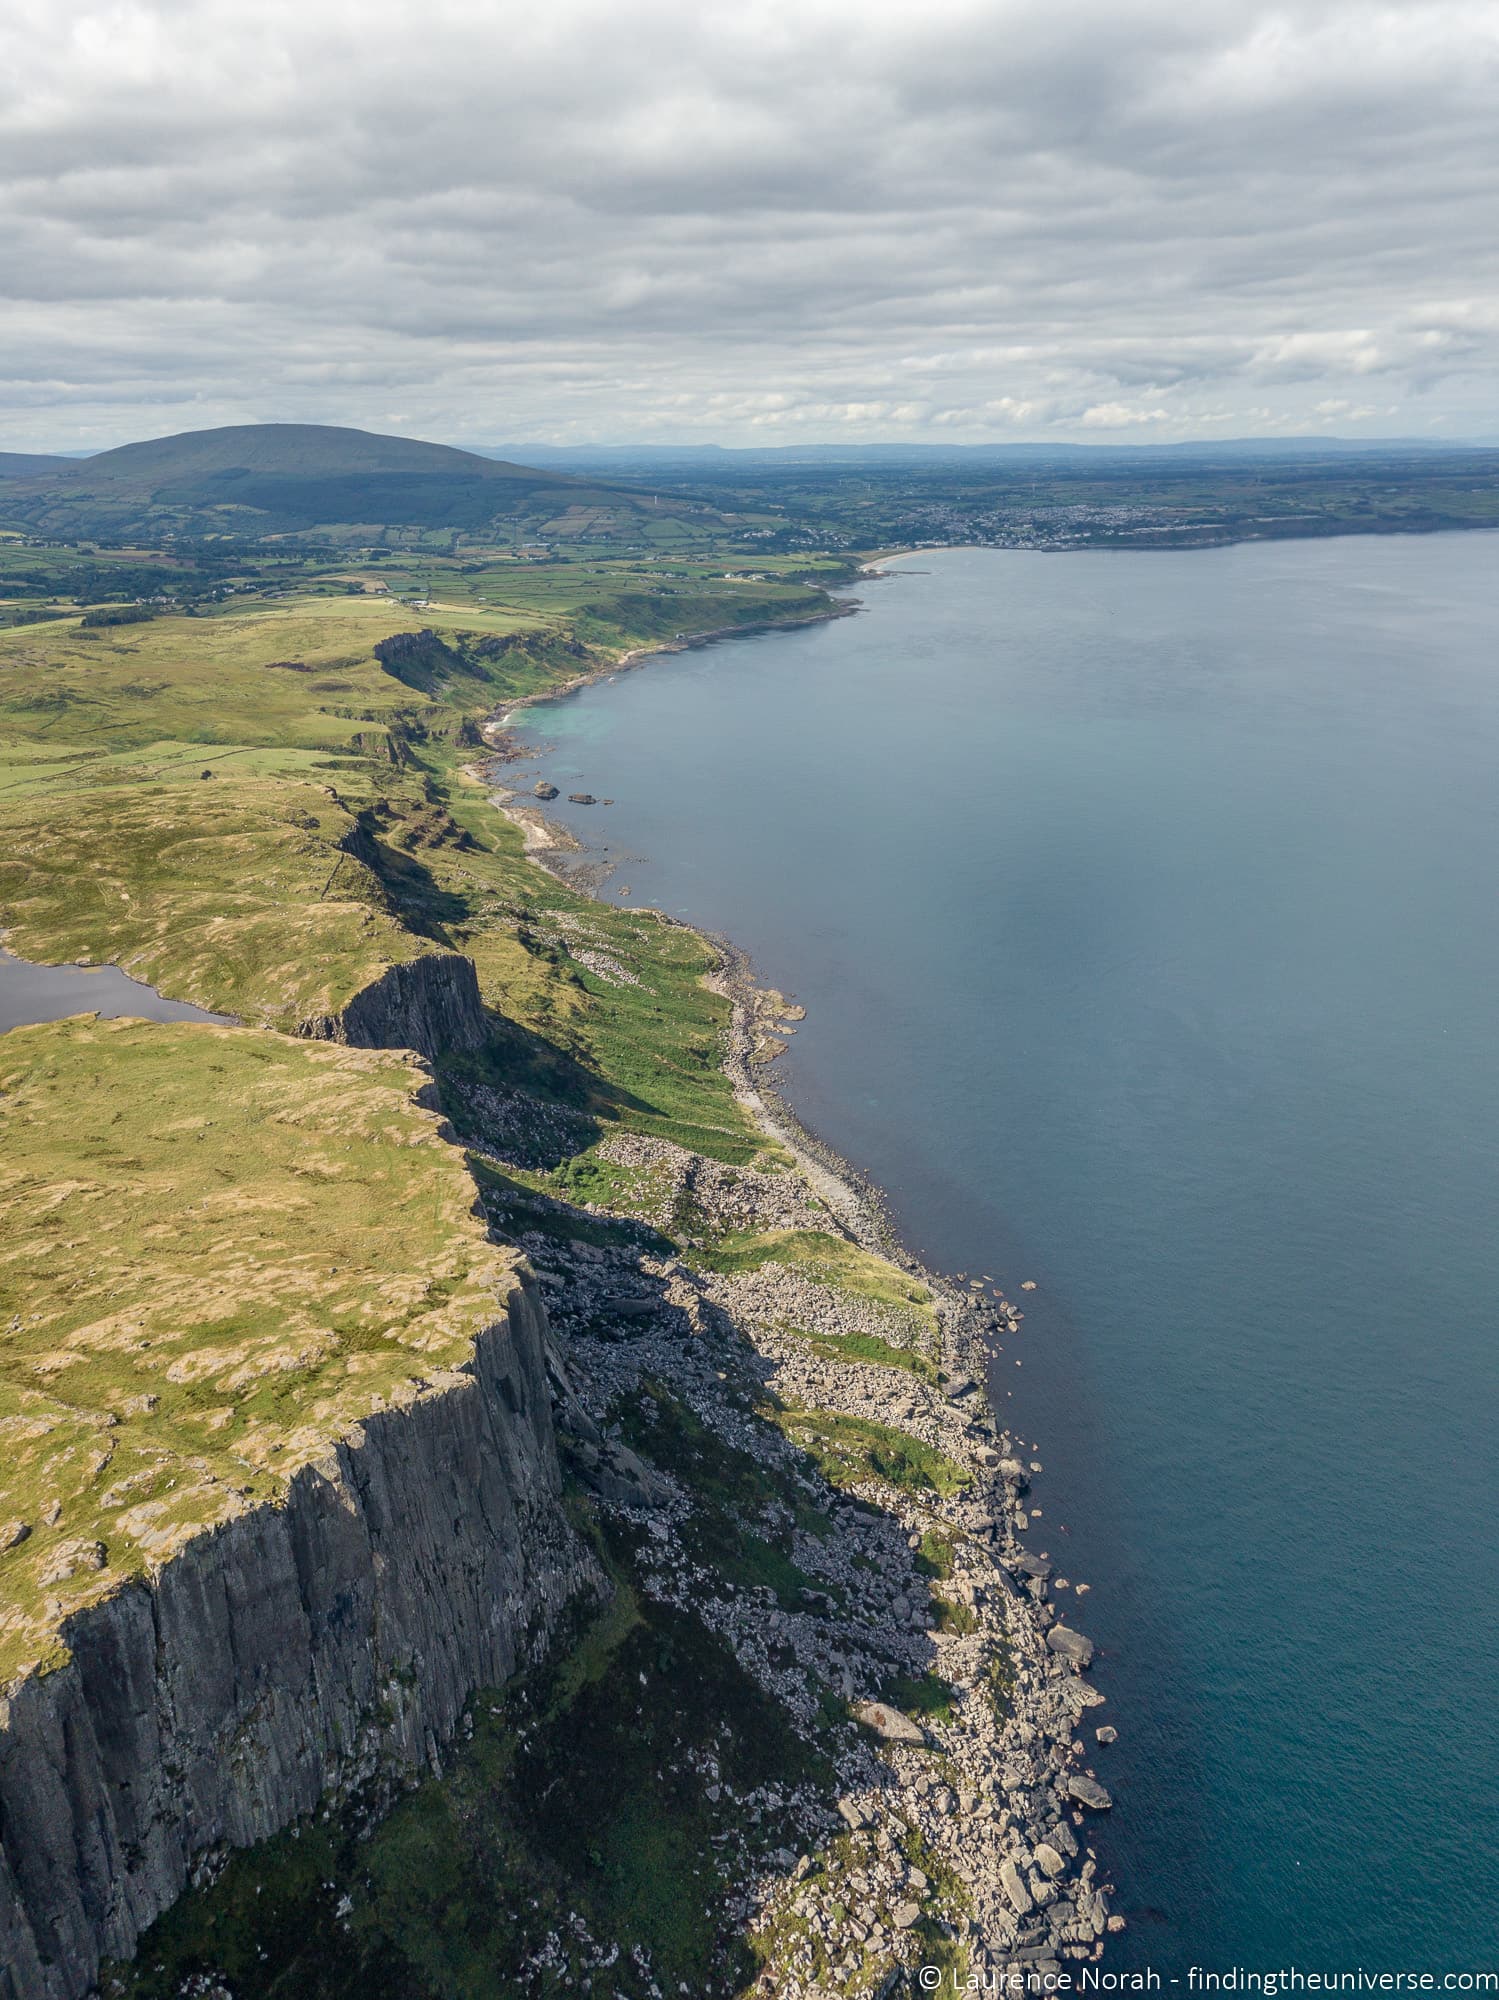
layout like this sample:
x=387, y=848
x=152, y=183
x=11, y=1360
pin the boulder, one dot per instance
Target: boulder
x=1087, y=1791
x=630, y=1305
x=889, y=1723
x=1070, y=1646
x=1049, y=1861
x=1013, y=1884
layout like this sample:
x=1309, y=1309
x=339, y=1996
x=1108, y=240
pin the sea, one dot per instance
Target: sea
x=1143, y=906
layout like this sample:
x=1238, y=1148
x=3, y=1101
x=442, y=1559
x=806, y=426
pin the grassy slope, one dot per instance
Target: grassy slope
x=232, y=679
x=221, y=1247
x=232, y=892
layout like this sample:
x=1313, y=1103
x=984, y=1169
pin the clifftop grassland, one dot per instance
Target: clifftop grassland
x=222, y=1250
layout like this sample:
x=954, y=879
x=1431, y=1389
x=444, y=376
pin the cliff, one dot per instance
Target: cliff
x=295, y=1648
x=430, y=1004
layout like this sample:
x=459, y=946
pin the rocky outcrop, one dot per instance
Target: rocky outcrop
x=430, y=1004
x=299, y=1648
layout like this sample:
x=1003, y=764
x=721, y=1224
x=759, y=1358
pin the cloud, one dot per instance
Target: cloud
x=1120, y=416
x=981, y=217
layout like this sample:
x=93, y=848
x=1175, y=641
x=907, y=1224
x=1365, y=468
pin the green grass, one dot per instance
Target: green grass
x=252, y=892
x=234, y=891
x=999, y=1679
x=206, y=680
x=512, y=1202
x=851, y=1450
x=221, y=1249
x=947, y=1894
x=341, y=828
x=935, y=1556
x=868, y=1347
x=826, y=1259
x=924, y=1695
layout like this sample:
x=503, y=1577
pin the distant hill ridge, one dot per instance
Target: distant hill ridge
x=306, y=451
x=259, y=479
x=30, y=464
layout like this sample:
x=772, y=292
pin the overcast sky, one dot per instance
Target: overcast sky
x=749, y=221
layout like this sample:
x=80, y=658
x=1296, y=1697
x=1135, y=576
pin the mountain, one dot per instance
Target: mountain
x=29, y=464
x=259, y=479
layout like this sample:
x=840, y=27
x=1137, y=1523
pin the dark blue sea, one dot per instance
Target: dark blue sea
x=1144, y=909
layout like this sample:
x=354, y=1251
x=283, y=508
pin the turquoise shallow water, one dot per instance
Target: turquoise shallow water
x=1143, y=907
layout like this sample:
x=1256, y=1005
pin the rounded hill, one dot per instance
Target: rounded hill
x=302, y=451
x=254, y=480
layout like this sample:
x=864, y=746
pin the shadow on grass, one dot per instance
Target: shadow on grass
x=529, y=1101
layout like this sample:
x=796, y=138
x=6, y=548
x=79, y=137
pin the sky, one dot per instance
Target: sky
x=749, y=221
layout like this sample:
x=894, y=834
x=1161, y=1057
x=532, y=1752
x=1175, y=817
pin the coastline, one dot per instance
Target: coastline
x=1049, y=1703
x=639, y=656
x=1012, y=1810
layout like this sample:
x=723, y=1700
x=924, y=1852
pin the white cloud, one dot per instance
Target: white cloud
x=990, y=217
x=1120, y=416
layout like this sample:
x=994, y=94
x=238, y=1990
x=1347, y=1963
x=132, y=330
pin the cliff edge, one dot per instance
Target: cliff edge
x=296, y=1648
x=278, y=1479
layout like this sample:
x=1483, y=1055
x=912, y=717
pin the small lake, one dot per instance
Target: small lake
x=31, y=993
x=1144, y=910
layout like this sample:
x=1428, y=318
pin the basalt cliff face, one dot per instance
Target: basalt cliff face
x=430, y=1004
x=298, y=1648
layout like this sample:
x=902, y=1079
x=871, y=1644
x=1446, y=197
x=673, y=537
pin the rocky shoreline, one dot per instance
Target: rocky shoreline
x=966, y=1751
